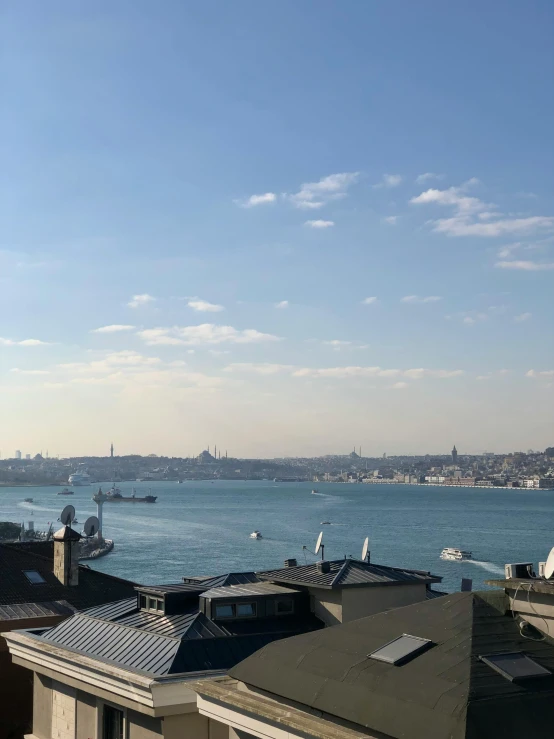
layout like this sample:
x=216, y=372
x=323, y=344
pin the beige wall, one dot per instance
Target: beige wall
x=42, y=707
x=327, y=605
x=536, y=608
x=187, y=726
x=143, y=727
x=86, y=716
x=360, y=602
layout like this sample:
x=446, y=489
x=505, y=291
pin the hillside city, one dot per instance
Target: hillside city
x=532, y=469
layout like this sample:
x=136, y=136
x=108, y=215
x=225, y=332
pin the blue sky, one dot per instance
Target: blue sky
x=254, y=172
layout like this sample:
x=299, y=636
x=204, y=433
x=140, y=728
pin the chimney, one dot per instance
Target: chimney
x=291, y=563
x=323, y=566
x=66, y=556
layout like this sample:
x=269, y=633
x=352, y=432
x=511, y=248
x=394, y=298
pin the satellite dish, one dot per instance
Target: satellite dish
x=549, y=566
x=365, y=549
x=319, y=543
x=68, y=514
x=92, y=524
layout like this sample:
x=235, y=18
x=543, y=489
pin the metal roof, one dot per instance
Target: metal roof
x=231, y=578
x=345, y=573
x=112, y=611
x=33, y=610
x=240, y=591
x=182, y=588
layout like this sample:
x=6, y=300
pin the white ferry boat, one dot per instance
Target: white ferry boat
x=79, y=478
x=458, y=555
x=255, y=535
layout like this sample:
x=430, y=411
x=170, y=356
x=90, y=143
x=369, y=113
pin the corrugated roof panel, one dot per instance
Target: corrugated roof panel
x=174, y=626
x=34, y=610
x=112, y=611
x=238, y=591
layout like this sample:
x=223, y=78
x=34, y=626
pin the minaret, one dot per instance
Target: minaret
x=111, y=450
x=454, y=455
x=215, y=452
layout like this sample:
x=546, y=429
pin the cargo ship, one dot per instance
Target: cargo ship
x=114, y=496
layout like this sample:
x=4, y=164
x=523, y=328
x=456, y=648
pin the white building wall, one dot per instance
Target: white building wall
x=63, y=711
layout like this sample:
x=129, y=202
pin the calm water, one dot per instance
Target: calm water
x=202, y=528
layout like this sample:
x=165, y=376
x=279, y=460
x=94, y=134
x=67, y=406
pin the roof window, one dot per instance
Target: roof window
x=515, y=666
x=34, y=577
x=147, y=603
x=401, y=650
x=235, y=610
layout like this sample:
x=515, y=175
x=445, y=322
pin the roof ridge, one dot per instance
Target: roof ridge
x=341, y=572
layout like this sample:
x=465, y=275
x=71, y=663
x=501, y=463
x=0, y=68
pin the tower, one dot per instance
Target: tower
x=111, y=450
x=99, y=499
x=454, y=455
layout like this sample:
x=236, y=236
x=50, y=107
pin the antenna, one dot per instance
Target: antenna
x=549, y=566
x=92, y=524
x=319, y=545
x=68, y=514
x=365, y=550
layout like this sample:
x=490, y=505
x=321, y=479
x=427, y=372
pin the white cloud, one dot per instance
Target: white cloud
x=262, y=368
x=473, y=217
x=391, y=220
x=24, y=342
x=253, y=200
x=336, y=343
x=203, y=306
x=319, y=224
x=419, y=299
x=138, y=300
x=204, y=334
x=526, y=266
x=282, y=304
x=369, y=301
x=313, y=195
x=399, y=385
x=112, y=329
x=522, y=317
x=426, y=176
x=30, y=372
x=389, y=180
x=543, y=373
x=346, y=372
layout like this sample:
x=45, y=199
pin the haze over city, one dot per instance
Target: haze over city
x=217, y=231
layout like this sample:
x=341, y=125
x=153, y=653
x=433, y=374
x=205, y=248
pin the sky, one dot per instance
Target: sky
x=285, y=228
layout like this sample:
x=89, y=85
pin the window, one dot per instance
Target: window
x=515, y=666
x=152, y=604
x=284, y=606
x=224, y=611
x=246, y=610
x=142, y=601
x=401, y=650
x=112, y=722
x=34, y=577
x=159, y=605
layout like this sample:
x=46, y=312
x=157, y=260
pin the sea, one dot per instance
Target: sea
x=203, y=527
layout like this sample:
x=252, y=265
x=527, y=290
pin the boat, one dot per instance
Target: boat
x=27, y=500
x=325, y=523
x=66, y=491
x=315, y=492
x=114, y=496
x=115, y=489
x=79, y=478
x=457, y=555
x=255, y=535
x=180, y=482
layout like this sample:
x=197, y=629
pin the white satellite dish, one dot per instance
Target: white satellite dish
x=549, y=566
x=92, y=524
x=365, y=549
x=68, y=514
x=319, y=543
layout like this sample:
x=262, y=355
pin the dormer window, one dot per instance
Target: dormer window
x=151, y=604
x=246, y=610
x=284, y=606
x=235, y=610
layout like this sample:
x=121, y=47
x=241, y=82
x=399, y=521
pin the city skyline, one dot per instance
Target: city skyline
x=283, y=227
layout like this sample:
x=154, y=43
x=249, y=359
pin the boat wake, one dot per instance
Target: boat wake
x=489, y=566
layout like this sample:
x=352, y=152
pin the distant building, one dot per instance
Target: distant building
x=111, y=450
x=17, y=454
x=27, y=456
x=205, y=457
x=454, y=455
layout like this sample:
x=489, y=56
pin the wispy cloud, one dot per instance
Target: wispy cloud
x=319, y=224
x=23, y=342
x=473, y=217
x=253, y=200
x=262, y=368
x=314, y=195
x=399, y=385
x=282, y=304
x=389, y=180
x=391, y=220
x=525, y=266
x=522, y=317
x=421, y=179
x=203, y=306
x=29, y=372
x=114, y=328
x=420, y=299
x=204, y=334
x=347, y=372
x=540, y=374
x=337, y=343
x=369, y=301
x=139, y=300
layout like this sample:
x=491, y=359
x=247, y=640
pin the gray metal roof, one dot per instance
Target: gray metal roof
x=181, y=588
x=344, y=573
x=32, y=610
x=240, y=591
x=231, y=578
x=112, y=611
x=136, y=649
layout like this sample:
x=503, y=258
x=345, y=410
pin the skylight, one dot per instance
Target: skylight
x=401, y=650
x=515, y=666
x=34, y=577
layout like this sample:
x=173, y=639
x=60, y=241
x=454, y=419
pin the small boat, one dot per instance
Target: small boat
x=325, y=523
x=65, y=491
x=315, y=492
x=27, y=500
x=456, y=555
x=255, y=535
x=180, y=482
